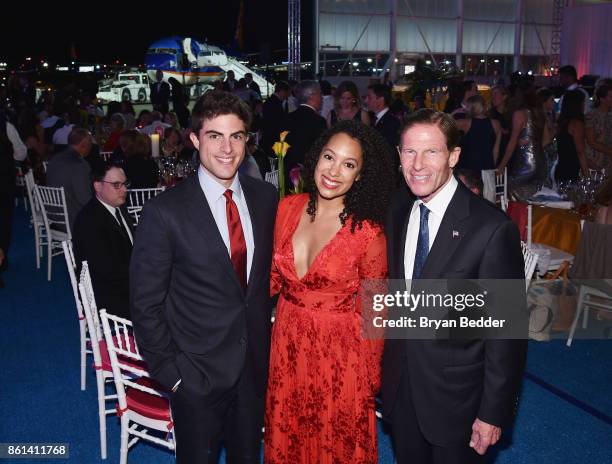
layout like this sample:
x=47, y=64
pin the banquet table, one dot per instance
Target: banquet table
x=556, y=227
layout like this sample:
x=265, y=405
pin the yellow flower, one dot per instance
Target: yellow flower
x=280, y=148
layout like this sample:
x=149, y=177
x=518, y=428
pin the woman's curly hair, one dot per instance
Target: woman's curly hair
x=369, y=197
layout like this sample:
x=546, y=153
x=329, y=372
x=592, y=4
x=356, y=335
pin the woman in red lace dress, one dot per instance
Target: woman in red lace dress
x=323, y=373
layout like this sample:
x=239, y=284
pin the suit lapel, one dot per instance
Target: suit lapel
x=450, y=234
x=112, y=225
x=201, y=215
x=402, y=224
x=257, y=221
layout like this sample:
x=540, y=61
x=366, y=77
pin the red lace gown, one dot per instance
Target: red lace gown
x=323, y=374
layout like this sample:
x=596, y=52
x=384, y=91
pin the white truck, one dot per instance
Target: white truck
x=130, y=86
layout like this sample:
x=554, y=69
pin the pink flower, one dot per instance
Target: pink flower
x=295, y=174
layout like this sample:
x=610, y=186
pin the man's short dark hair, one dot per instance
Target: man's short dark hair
x=217, y=103
x=381, y=90
x=281, y=86
x=99, y=170
x=77, y=135
x=568, y=70
x=443, y=121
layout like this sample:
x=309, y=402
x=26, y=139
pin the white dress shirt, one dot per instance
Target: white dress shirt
x=437, y=207
x=214, y=191
x=111, y=209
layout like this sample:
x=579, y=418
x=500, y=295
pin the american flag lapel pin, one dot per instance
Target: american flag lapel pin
x=455, y=234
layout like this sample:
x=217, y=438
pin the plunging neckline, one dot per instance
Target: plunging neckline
x=316, y=259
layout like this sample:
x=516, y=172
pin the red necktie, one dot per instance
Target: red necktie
x=238, y=250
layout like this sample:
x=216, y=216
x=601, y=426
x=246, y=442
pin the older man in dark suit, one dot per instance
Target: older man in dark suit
x=69, y=169
x=305, y=124
x=200, y=290
x=447, y=400
x=103, y=237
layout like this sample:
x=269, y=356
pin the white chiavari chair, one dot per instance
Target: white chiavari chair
x=83, y=337
x=38, y=223
x=52, y=202
x=105, y=155
x=101, y=366
x=142, y=404
x=272, y=178
x=531, y=260
x=551, y=258
x=501, y=186
x=136, y=198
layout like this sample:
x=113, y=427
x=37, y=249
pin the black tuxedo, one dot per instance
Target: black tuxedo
x=389, y=127
x=160, y=94
x=448, y=383
x=193, y=321
x=274, y=117
x=100, y=241
x=305, y=126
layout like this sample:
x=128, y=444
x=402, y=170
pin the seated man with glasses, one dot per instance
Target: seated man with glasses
x=103, y=237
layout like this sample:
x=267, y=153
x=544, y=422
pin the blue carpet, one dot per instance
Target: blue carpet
x=563, y=416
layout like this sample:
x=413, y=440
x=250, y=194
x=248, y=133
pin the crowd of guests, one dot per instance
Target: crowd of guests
x=201, y=315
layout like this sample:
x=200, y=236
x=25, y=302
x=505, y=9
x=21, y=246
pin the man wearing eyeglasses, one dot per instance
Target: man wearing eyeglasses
x=103, y=237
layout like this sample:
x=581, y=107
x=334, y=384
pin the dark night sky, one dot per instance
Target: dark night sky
x=123, y=30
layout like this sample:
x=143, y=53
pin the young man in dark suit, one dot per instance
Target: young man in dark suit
x=104, y=238
x=200, y=290
x=447, y=400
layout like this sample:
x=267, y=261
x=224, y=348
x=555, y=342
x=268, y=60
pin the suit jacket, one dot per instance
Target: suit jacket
x=99, y=240
x=305, y=126
x=274, y=117
x=192, y=320
x=389, y=127
x=160, y=97
x=454, y=381
x=69, y=170
x=255, y=87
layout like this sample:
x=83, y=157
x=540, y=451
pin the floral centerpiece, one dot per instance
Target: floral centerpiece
x=280, y=150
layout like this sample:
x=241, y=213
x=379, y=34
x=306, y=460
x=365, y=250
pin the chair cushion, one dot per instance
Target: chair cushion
x=145, y=404
x=106, y=363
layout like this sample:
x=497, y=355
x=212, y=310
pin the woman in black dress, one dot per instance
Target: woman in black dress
x=571, y=138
